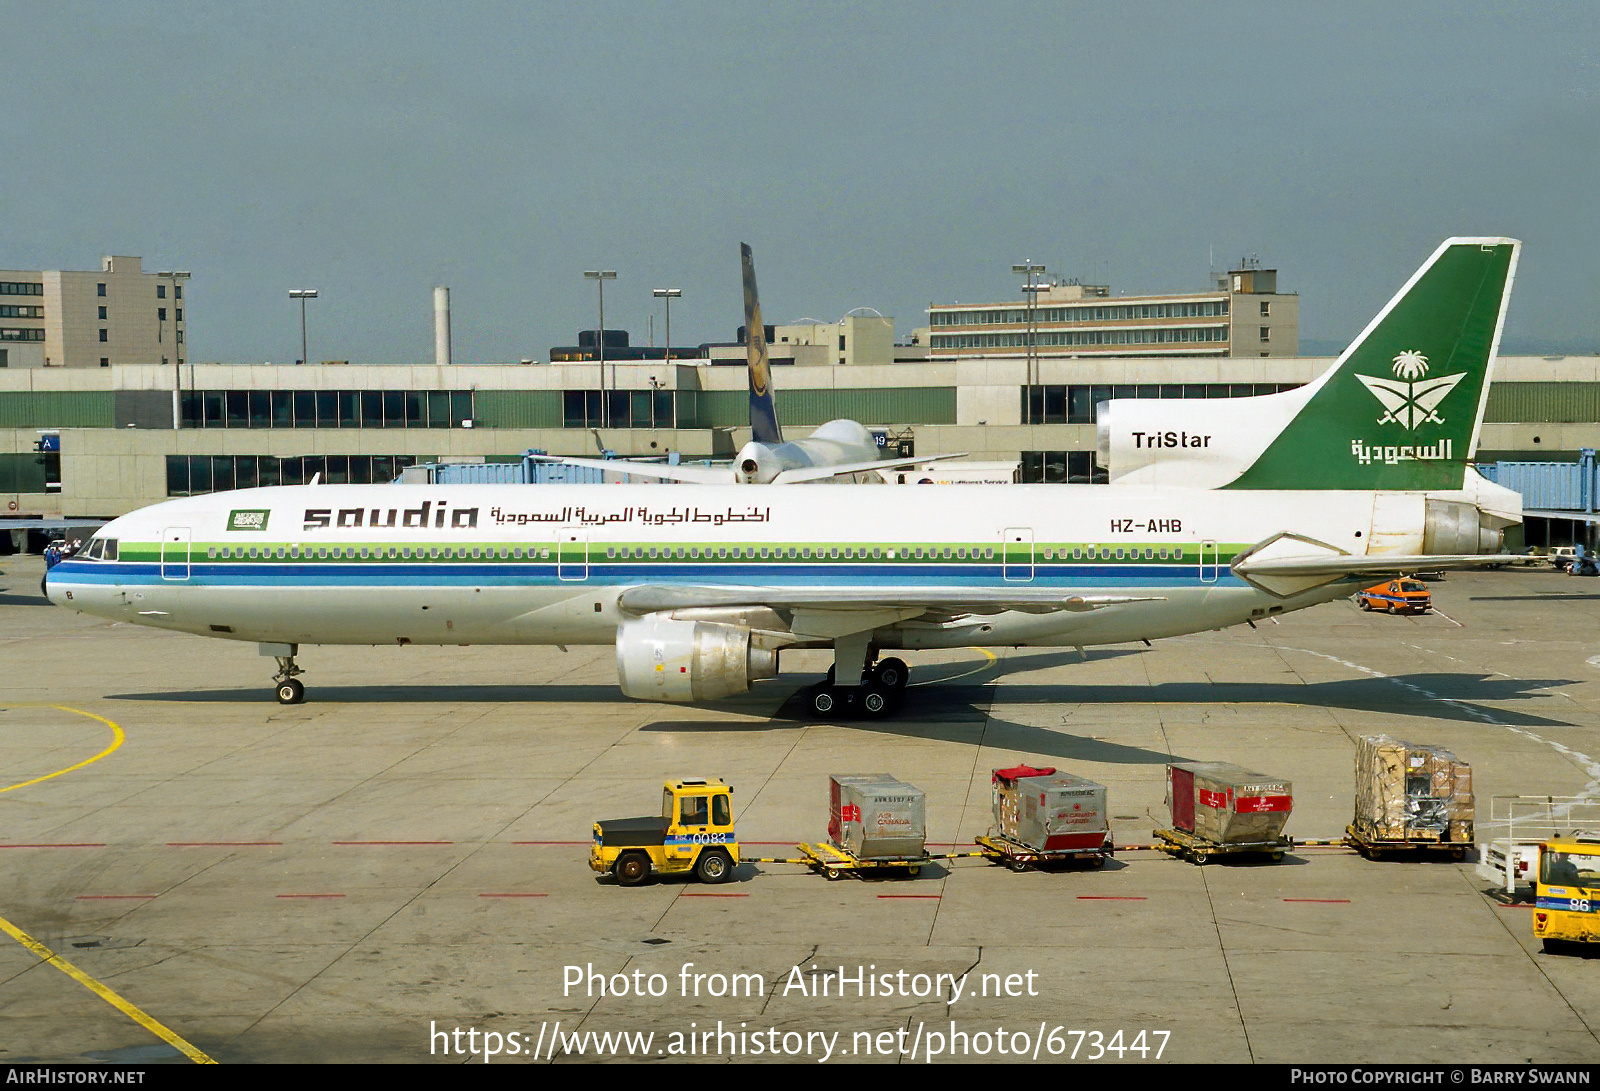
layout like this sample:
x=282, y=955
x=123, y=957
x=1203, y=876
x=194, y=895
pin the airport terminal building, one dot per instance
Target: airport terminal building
x=109, y=445
x=96, y=369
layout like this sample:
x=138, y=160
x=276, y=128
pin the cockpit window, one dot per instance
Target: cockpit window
x=95, y=547
x=111, y=549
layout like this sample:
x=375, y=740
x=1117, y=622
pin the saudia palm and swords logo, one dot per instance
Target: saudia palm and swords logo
x=1409, y=400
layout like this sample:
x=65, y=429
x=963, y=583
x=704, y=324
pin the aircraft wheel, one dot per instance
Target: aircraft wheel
x=631, y=868
x=713, y=867
x=291, y=692
x=825, y=702
x=875, y=702
x=892, y=673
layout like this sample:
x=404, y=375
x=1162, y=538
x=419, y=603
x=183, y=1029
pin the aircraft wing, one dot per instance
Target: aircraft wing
x=648, y=599
x=693, y=475
x=1381, y=564
x=822, y=473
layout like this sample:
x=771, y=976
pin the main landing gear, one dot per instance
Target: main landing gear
x=290, y=690
x=880, y=694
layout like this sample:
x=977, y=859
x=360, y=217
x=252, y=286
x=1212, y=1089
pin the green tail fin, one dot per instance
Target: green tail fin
x=1402, y=407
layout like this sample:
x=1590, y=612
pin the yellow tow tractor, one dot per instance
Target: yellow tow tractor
x=694, y=833
x=1566, y=906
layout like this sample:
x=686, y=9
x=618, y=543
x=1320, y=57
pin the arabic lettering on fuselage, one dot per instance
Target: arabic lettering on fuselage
x=584, y=516
x=1409, y=452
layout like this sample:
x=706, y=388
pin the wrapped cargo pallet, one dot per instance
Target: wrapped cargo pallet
x=1049, y=811
x=876, y=817
x=1412, y=792
x=1228, y=804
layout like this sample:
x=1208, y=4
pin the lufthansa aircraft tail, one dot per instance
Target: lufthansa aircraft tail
x=1401, y=409
x=763, y=409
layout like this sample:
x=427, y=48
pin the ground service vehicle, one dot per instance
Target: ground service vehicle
x=1567, y=892
x=1396, y=597
x=694, y=833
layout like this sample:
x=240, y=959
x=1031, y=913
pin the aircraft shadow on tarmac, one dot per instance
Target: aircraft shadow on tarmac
x=23, y=599
x=973, y=712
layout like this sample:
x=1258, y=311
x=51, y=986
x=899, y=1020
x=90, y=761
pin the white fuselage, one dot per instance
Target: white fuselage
x=546, y=564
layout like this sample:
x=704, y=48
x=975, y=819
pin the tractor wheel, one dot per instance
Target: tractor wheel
x=631, y=868
x=714, y=866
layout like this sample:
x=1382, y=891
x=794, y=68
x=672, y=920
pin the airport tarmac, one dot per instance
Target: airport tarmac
x=407, y=851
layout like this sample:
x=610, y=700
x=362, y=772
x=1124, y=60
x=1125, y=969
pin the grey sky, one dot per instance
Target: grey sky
x=883, y=155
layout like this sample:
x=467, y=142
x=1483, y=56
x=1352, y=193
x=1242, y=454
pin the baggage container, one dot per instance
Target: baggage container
x=1049, y=811
x=1227, y=804
x=876, y=817
x=1412, y=792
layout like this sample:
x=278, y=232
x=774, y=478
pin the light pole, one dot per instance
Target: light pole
x=668, y=294
x=177, y=353
x=1031, y=287
x=303, y=294
x=600, y=276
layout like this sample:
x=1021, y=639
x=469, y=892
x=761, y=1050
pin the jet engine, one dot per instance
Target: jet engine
x=663, y=659
x=1450, y=527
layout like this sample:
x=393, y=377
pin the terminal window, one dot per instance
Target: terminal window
x=1060, y=468
x=192, y=475
x=326, y=408
x=1078, y=403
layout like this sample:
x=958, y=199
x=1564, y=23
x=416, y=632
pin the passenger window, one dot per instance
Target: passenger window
x=721, y=812
x=692, y=811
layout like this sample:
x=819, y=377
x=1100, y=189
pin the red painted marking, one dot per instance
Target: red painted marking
x=1262, y=804
x=72, y=845
x=513, y=895
x=106, y=897
x=1321, y=901
x=590, y=842
x=1112, y=898
x=692, y=894
x=910, y=895
x=394, y=842
x=310, y=895
x=221, y=844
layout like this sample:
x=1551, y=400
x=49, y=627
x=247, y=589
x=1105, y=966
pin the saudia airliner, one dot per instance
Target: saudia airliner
x=702, y=587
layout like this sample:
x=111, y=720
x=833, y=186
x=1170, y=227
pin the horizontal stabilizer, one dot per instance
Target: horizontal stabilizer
x=692, y=475
x=1382, y=564
x=822, y=473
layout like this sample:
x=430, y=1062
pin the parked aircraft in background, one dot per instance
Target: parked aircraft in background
x=837, y=449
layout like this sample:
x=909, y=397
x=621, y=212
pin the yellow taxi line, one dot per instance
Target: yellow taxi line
x=109, y=995
x=116, y=741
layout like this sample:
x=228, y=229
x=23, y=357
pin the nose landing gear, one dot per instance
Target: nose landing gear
x=290, y=690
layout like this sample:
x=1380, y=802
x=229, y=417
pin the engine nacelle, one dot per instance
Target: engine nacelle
x=1450, y=527
x=660, y=659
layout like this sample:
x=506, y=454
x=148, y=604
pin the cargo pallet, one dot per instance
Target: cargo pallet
x=1374, y=848
x=1178, y=843
x=833, y=863
x=1019, y=857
